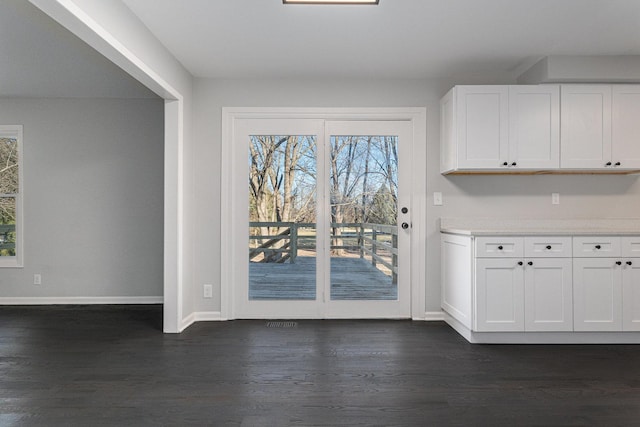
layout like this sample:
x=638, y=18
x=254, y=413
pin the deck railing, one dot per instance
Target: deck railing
x=280, y=242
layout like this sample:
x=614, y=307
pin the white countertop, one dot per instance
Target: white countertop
x=491, y=226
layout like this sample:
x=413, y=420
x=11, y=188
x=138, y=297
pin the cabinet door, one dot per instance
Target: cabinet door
x=631, y=295
x=499, y=295
x=548, y=294
x=585, y=128
x=482, y=121
x=625, y=125
x=597, y=294
x=534, y=127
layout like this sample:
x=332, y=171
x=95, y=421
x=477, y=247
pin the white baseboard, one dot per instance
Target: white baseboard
x=434, y=316
x=208, y=316
x=79, y=300
x=201, y=316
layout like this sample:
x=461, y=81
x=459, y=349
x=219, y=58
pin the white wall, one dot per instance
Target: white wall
x=93, y=204
x=582, y=196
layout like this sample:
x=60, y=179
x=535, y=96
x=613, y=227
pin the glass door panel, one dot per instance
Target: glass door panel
x=276, y=267
x=282, y=217
x=364, y=206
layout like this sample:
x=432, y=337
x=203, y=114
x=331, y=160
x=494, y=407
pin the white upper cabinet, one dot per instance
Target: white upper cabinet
x=585, y=130
x=499, y=128
x=474, y=127
x=528, y=128
x=534, y=127
x=600, y=127
x=625, y=126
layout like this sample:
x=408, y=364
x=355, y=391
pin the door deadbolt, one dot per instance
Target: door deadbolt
x=404, y=210
x=405, y=226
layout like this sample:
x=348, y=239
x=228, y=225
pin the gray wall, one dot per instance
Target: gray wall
x=582, y=196
x=93, y=204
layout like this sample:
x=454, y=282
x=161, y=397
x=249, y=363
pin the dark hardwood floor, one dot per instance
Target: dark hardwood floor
x=99, y=366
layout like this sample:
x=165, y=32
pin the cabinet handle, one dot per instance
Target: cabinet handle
x=505, y=164
x=618, y=262
x=617, y=164
x=629, y=263
x=598, y=246
x=500, y=248
x=519, y=262
x=548, y=246
x=608, y=164
x=530, y=263
x=513, y=164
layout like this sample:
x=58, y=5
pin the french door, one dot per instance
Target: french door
x=321, y=218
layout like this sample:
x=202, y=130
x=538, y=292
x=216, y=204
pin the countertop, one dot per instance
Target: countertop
x=556, y=227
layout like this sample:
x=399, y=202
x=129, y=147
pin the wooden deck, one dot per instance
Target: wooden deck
x=351, y=279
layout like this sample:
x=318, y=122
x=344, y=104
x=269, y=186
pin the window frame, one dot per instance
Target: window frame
x=16, y=131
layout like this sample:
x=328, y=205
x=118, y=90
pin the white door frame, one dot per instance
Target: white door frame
x=417, y=117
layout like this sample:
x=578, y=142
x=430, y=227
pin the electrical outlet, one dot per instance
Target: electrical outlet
x=37, y=279
x=437, y=198
x=208, y=291
x=555, y=198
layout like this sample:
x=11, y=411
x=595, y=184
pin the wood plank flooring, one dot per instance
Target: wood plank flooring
x=112, y=366
x=351, y=279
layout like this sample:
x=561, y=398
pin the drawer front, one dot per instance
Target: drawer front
x=499, y=247
x=631, y=246
x=548, y=247
x=596, y=246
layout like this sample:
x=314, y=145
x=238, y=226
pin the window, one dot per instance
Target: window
x=10, y=196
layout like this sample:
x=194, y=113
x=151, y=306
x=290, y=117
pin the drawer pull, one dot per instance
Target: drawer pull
x=530, y=263
x=500, y=248
x=505, y=164
x=608, y=164
x=598, y=247
x=519, y=262
x=629, y=263
x=617, y=164
x=548, y=246
x=618, y=262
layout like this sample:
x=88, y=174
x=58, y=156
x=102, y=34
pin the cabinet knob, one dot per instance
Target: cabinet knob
x=598, y=246
x=548, y=246
x=608, y=164
x=530, y=263
x=519, y=262
x=505, y=164
x=629, y=263
x=500, y=248
x=618, y=262
x=513, y=164
x=617, y=164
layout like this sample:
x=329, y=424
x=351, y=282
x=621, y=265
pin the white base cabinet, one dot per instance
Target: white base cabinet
x=542, y=284
x=597, y=295
x=548, y=295
x=499, y=295
x=523, y=284
x=631, y=295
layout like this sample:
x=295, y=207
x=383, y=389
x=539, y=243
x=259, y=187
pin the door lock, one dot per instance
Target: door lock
x=404, y=225
x=404, y=210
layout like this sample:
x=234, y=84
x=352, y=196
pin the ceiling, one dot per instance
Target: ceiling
x=396, y=39
x=40, y=58
x=483, y=40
